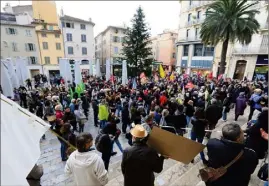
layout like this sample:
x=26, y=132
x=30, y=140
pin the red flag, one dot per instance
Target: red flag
x=142, y=75
x=220, y=77
x=189, y=85
x=210, y=75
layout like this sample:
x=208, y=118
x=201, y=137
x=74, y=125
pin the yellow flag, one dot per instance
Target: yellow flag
x=162, y=73
x=172, y=77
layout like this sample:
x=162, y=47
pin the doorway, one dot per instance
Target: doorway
x=240, y=69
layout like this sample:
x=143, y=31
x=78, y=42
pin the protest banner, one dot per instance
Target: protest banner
x=174, y=146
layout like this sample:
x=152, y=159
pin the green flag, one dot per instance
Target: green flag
x=78, y=90
x=82, y=86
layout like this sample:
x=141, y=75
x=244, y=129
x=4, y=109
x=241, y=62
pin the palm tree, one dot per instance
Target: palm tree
x=229, y=21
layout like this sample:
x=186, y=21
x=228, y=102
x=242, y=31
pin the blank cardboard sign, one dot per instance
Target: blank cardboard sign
x=176, y=147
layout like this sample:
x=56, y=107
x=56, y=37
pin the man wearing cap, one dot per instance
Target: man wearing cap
x=140, y=161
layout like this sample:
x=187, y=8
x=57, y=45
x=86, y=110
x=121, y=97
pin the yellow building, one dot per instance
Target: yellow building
x=49, y=35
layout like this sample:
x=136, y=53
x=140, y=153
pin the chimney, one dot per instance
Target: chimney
x=8, y=8
x=90, y=19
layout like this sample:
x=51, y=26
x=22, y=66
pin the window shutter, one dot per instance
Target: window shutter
x=16, y=32
x=26, y=47
x=29, y=60
x=36, y=60
x=7, y=31
x=34, y=47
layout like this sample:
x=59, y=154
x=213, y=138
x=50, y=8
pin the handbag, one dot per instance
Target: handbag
x=209, y=174
x=263, y=172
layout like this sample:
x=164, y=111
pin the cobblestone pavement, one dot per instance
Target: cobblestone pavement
x=54, y=167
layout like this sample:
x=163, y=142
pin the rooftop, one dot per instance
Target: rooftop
x=109, y=27
x=15, y=24
x=70, y=18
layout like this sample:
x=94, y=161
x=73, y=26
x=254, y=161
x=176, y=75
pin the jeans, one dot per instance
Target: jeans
x=266, y=183
x=81, y=128
x=95, y=115
x=118, y=143
x=224, y=115
x=63, y=150
x=124, y=127
x=188, y=118
x=102, y=124
x=200, y=140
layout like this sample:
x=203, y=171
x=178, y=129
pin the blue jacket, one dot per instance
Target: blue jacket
x=72, y=107
x=256, y=98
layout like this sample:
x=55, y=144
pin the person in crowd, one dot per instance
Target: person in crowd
x=181, y=121
x=85, y=105
x=149, y=123
x=95, y=112
x=65, y=132
x=58, y=112
x=103, y=113
x=157, y=115
x=125, y=117
x=254, y=140
x=189, y=111
x=85, y=165
x=112, y=129
x=222, y=152
x=226, y=107
x=240, y=106
x=72, y=105
x=254, y=102
x=103, y=144
x=69, y=117
x=140, y=161
x=213, y=113
x=80, y=119
x=199, y=125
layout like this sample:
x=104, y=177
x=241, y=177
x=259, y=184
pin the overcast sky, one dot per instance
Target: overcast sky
x=160, y=15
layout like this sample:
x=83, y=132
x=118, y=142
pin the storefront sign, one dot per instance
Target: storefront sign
x=262, y=60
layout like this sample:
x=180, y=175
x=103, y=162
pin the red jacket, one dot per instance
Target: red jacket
x=59, y=114
x=163, y=100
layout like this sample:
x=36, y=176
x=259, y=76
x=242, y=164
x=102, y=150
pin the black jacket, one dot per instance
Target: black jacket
x=198, y=127
x=213, y=113
x=222, y=152
x=189, y=110
x=138, y=164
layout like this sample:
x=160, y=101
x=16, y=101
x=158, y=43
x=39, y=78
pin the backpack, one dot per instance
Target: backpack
x=98, y=142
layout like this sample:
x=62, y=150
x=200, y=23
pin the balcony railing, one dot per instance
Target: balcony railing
x=194, y=22
x=33, y=63
x=250, y=50
x=184, y=39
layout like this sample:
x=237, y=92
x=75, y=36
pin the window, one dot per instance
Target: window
x=116, y=31
x=123, y=39
x=63, y=24
x=83, y=38
x=198, y=49
x=69, y=37
x=57, y=35
x=29, y=47
x=28, y=33
x=84, y=51
x=47, y=60
x=69, y=25
x=44, y=35
x=58, y=59
x=58, y=46
x=187, y=33
x=82, y=26
x=14, y=47
x=116, y=50
x=11, y=31
x=50, y=27
x=185, y=50
x=115, y=39
x=84, y=62
x=45, y=45
x=196, y=32
x=190, y=2
x=189, y=17
x=198, y=14
x=174, y=55
x=70, y=50
x=32, y=60
x=208, y=51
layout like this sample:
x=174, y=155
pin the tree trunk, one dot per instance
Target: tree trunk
x=223, y=56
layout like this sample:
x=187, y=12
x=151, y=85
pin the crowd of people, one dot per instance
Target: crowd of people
x=187, y=105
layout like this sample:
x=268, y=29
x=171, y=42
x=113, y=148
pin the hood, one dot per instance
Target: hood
x=84, y=159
